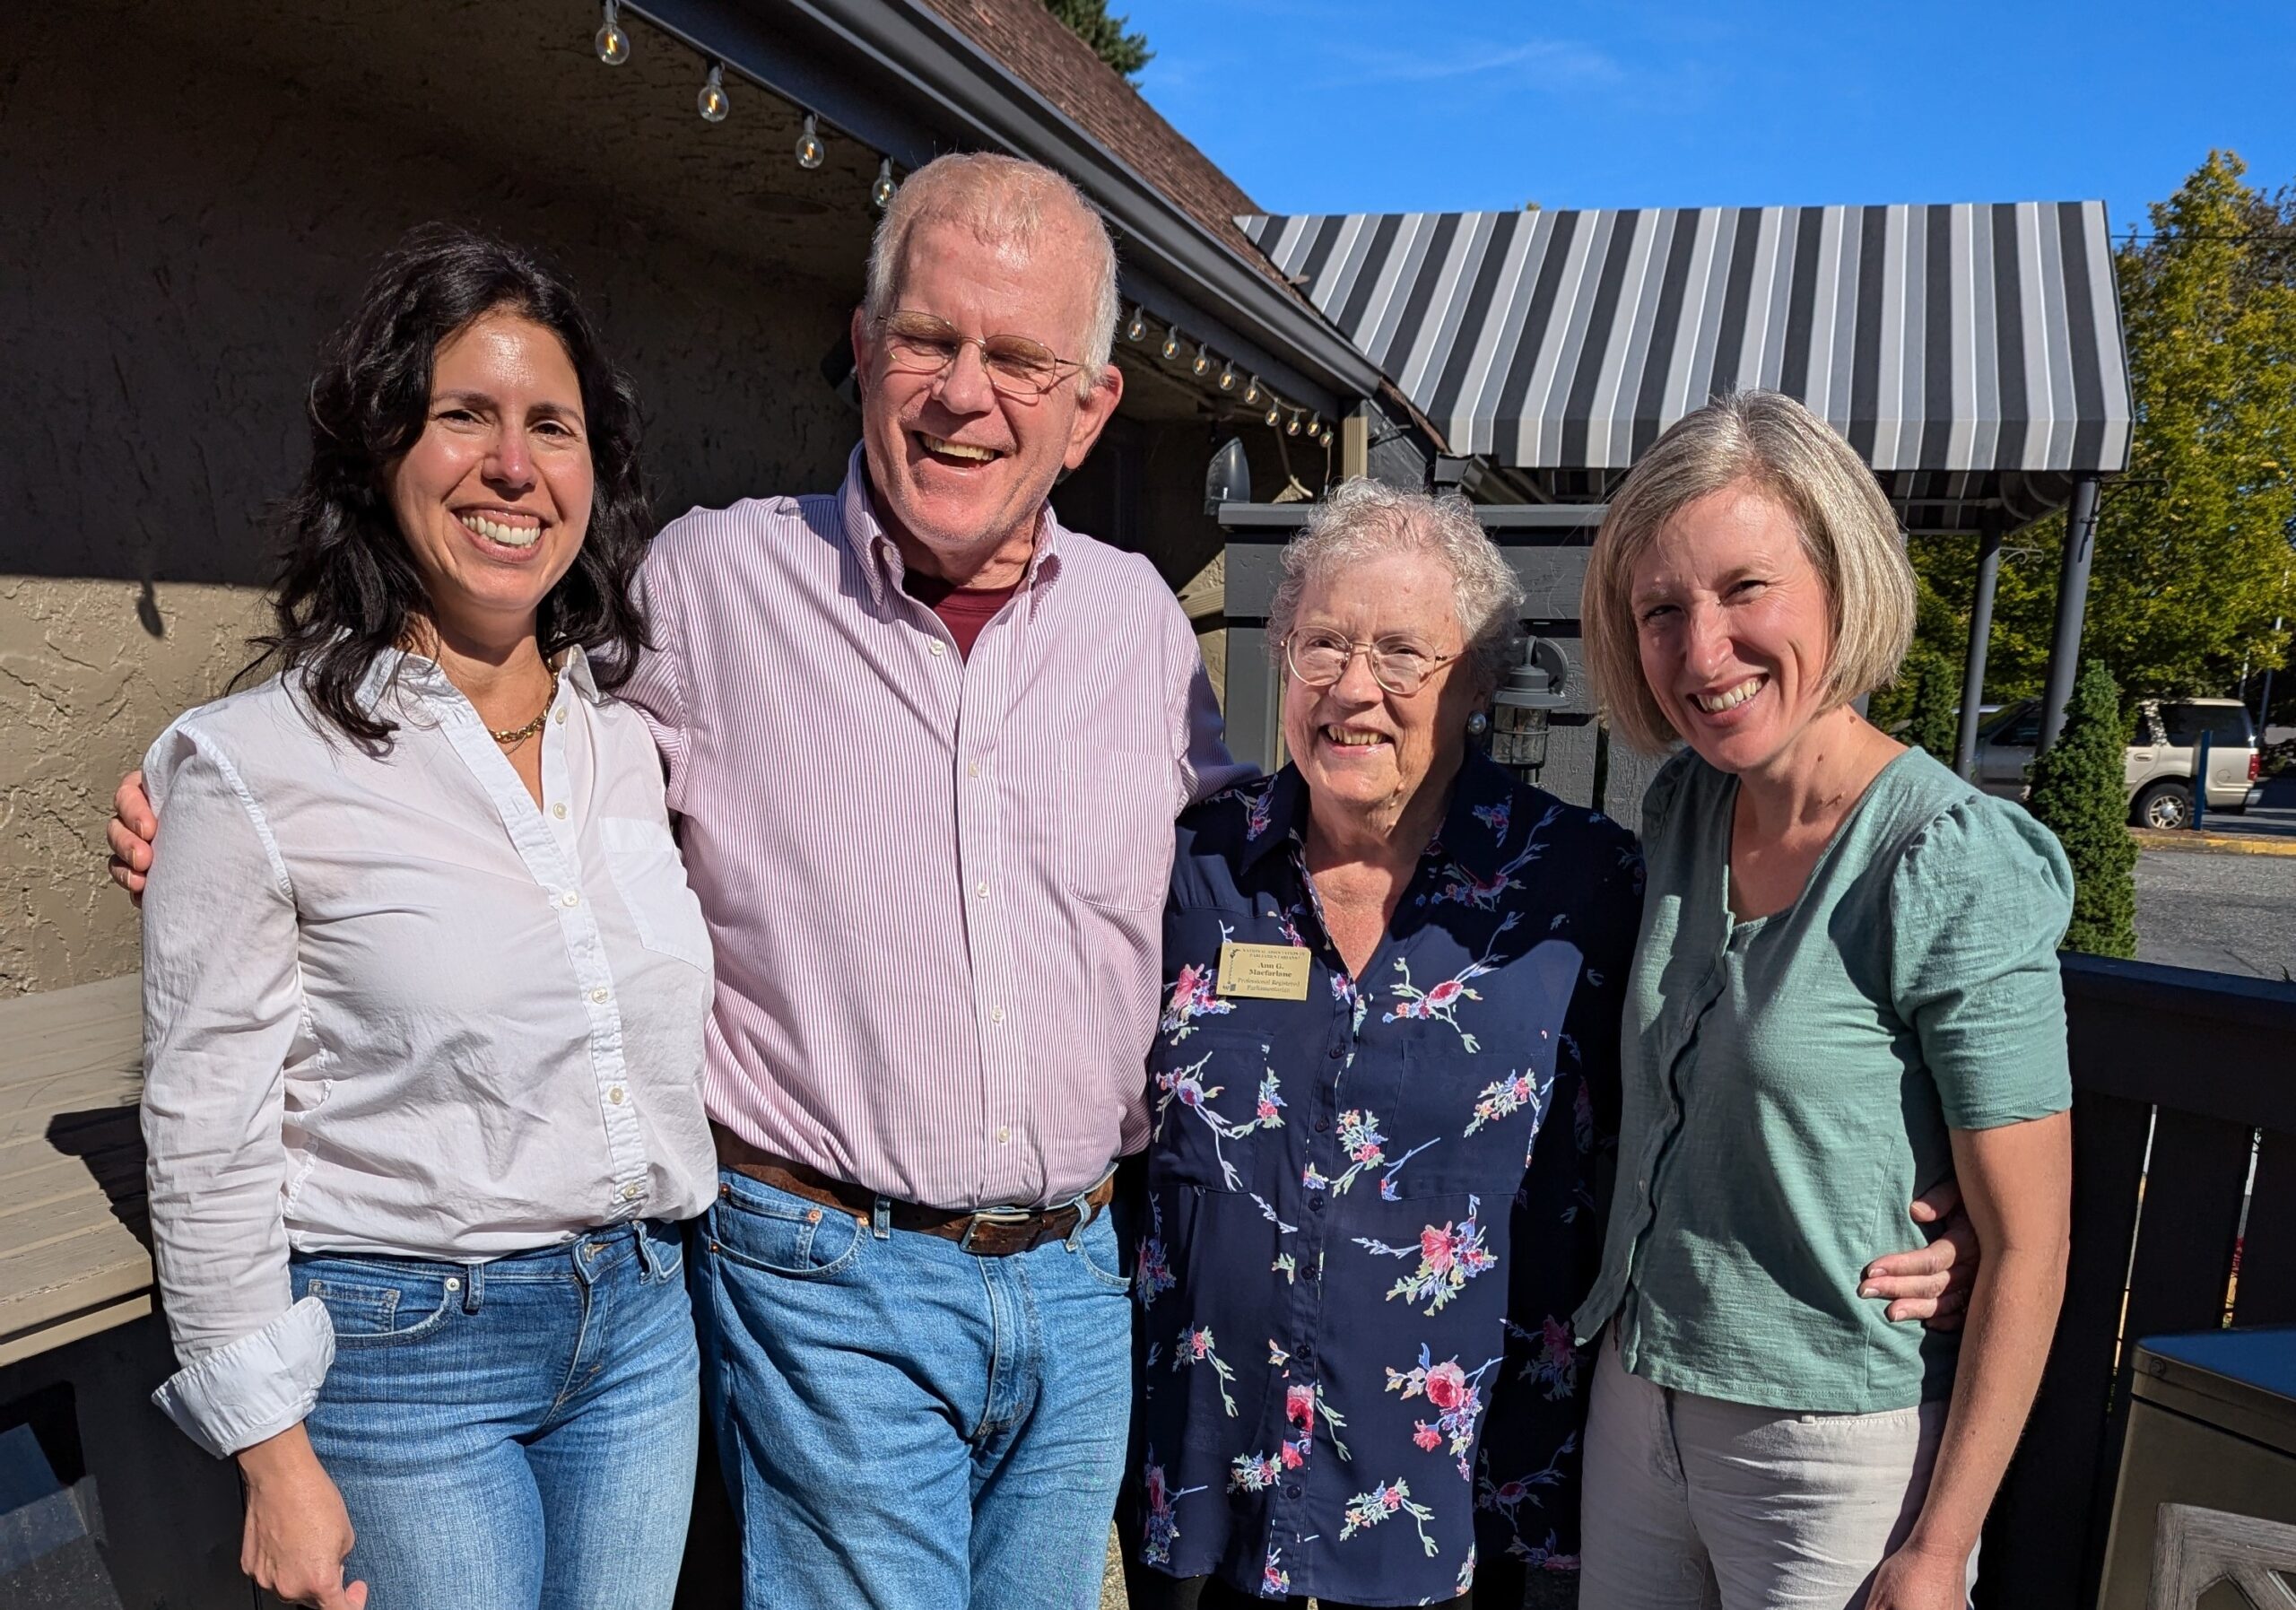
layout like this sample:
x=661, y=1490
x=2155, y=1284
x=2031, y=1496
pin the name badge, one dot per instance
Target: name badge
x=1266, y=972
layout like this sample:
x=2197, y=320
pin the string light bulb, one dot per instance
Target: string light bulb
x=811, y=151
x=1171, y=347
x=1251, y=395
x=612, y=44
x=1227, y=377
x=1316, y=426
x=1291, y=425
x=1326, y=437
x=712, y=102
x=1135, y=328
x=1200, y=364
x=882, y=192
x=1275, y=411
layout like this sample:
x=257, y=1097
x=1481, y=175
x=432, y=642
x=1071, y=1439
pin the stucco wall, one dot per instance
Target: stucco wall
x=183, y=224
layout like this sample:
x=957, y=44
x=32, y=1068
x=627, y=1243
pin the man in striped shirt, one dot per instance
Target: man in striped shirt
x=925, y=746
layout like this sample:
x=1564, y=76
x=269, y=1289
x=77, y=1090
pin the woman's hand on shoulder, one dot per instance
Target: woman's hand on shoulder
x=298, y=1533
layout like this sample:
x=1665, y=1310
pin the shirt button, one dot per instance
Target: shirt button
x=558, y=811
x=1322, y=1125
x=1315, y=1204
x=972, y=769
x=997, y=1015
x=1004, y=1134
x=570, y=898
x=558, y=715
x=630, y=1192
x=935, y=648
x=981, y=888
x=1292, y=1491
x=1338, y=1052
x=615, y=1095
x=600, y=995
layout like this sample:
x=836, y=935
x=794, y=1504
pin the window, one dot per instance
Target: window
x=2227, y=724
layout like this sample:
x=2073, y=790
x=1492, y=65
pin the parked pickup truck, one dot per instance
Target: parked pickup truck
x=2161, y=760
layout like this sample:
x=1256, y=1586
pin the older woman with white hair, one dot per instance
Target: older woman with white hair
x=1394, y=994
x=1844, y=987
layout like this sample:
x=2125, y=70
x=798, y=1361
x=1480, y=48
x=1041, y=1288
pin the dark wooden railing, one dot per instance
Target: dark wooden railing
x=2174, y=1073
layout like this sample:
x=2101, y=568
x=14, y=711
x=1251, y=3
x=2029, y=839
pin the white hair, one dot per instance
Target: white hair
x=1365, y=519
x=1007, y=202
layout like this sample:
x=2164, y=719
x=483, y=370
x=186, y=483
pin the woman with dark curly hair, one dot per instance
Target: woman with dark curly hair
x=424, y=991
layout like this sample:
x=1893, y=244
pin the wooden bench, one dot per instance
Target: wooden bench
x=74, y=1242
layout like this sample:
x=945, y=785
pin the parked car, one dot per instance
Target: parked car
x=2161, y=760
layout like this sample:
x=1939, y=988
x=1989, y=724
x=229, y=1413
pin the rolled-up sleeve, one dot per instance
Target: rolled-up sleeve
x=222, y=1004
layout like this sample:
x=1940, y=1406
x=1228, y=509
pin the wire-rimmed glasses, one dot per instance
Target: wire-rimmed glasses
x=1320, y=658
x=921, y=343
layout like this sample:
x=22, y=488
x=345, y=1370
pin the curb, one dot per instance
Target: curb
x=2218, y=843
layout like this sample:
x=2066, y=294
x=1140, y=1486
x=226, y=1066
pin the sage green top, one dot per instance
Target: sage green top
x=1789, y=1082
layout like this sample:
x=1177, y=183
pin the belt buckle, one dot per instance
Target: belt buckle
x=993, y=1216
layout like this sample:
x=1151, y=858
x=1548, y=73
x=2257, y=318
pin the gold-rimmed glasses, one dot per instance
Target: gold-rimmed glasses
x=1320, y=658
x=922, y=343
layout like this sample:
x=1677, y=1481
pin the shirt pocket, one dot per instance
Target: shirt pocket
x=1116, y=827
x=650, y=875
x=1217, y=1110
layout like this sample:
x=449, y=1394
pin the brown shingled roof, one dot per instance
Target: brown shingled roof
x=1065, y=71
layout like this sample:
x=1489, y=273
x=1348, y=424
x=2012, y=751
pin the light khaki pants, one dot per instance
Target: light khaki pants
x=1692, y=1504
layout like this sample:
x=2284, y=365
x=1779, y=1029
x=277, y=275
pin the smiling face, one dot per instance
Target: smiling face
x=960, y=470
x=494, y=496
x=1362, y=749
x=1734, y=629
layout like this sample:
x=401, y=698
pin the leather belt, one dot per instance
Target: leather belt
x=986, y=1232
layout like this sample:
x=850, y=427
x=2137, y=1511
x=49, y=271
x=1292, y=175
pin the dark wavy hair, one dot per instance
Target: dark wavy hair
x=348, y=585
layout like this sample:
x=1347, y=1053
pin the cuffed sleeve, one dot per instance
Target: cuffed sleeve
x=254, y=1388
x=222, y=1004
x=1977, y=905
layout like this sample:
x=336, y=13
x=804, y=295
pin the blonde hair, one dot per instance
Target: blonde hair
x=1365, y=520
x=1007, y=204
x=1771, y=442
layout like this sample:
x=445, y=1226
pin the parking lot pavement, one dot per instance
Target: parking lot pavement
x=2272, y=817
x=2229, y=913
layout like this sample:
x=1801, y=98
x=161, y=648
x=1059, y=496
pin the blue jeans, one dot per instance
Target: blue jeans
x=516, y=1433
x=905, y=1425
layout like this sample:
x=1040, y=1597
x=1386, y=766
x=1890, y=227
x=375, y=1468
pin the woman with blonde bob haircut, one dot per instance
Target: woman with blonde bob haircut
x=1845, y=989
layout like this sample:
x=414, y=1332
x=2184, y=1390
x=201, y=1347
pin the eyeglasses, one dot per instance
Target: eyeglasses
x=918, y=343
x=1320, y=658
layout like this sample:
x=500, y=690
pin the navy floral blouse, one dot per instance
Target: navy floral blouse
x=1370, y=1212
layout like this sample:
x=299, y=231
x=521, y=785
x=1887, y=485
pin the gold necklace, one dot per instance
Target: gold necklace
x=518, y=735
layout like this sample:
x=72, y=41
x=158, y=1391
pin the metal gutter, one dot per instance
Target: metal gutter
x=902, y=78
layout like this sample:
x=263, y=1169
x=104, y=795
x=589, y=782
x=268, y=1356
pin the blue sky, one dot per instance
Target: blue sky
x=1408, y=105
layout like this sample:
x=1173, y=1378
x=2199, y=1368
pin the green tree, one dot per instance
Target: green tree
x=1932, y=722
x=2192, y=558
x=2079, y=794
x=1089, y=20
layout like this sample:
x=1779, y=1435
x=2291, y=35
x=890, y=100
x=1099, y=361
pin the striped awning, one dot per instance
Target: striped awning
x=1944, y=342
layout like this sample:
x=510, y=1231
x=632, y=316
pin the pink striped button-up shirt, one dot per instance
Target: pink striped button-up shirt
x=934, y=883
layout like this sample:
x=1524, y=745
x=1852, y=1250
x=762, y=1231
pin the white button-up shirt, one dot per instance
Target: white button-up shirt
x=393, y=1005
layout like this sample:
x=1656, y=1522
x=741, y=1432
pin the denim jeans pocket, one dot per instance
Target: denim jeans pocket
x=1098, y=1250
x=370, y=1305
x=781, y=1233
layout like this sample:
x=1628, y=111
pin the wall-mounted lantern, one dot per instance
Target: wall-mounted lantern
x=1532, y=691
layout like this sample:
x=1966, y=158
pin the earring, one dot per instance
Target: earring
x=1478, y=724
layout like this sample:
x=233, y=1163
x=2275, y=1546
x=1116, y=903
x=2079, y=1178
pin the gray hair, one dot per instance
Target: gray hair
x=1007, y=204
x=1766, y=440
x=1365, y=519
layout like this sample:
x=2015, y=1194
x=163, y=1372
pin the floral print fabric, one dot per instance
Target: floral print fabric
x=1370, y=1211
